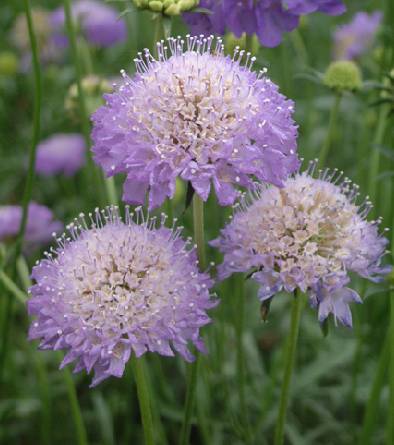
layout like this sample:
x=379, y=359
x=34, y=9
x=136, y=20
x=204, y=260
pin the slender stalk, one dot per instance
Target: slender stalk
x=331, y=131
x=390, y=432
x=143, y=398
x=44, y=389
x=107, y=183
x=290, y=355
x=374, y=396
x=29, y=178
x=76, y=414
x=12, y=287
x=198, y=226
x=375, y=158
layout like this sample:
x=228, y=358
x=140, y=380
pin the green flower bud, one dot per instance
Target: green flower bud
x=93, y=87
x=8, y=63
x=166, y=7
x=230, y=42
x=343, y=75
x=156, y=6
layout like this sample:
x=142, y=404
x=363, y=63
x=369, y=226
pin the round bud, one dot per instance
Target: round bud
x=343, y=75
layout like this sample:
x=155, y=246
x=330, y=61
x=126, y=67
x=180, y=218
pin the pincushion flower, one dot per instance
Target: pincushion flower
x=197, y=115
x=309, y=235
x=99, y=23
x=116, y=289
x=355, y=38
x=61, y=153
x=40, y=224
x=269, y=19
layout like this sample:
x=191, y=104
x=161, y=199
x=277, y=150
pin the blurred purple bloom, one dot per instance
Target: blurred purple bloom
x=40, y=224
x=116, y=289
x=61, y=153
x=197, y=115
x=355, y=38
x=99, y=23
x=309, y=235
x=204, y=23
x=269, y=19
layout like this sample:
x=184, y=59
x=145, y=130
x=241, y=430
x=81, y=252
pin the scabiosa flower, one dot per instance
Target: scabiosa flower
x=204, y=23
x=116, y=289
x=44, y=36
x=198, y=115
x=308, y=235
x=40, y=224
x=99, y=23
x=355, y=38
x=269, y=19
x=61, y=153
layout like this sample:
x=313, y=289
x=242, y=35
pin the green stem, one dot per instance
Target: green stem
x=143, y=398
x=192, y=372
x=198, y=226
x=29, y=179
x=107, y=184
x=13, y=288
x=374, y=396
x=43, y=385
x=375, y=158
x=290, y=355
x=80, y=430
x=331, y=131
x=391, y=373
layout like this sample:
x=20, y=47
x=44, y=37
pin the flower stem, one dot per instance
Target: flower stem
x=198, y=226
x=390, y=432
x=107, y=183
x=29, y=179
x=75, y=408
x=138, y=365
x=375, y=157
x=374, y=396
x=290, y=355
x=331, y=131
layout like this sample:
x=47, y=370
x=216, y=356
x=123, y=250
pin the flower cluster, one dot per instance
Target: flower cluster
x=61, y=153
x=199, y=115
x=308, y=235
x=118, y=288
x=99, y=23
x=39, y=228
x=269, y=19
x=353, y=39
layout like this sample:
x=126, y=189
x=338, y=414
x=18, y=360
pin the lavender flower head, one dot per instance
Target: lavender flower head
x=355, y=38
x=308, y=235
x=199, y=115
x=116, y=289
x=269, y=19
x=39, y=228
x=61, y=153
x=99, y=23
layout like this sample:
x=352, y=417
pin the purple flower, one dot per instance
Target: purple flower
x=116, y=289
x=40, y=224
x=99, y=23
x=269, y=19
x=355, y=38
x=204, y=23
x=197, y=115
x=308, y=235
x=61, y=153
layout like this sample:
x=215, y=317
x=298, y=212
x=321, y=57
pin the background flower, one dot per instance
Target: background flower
x=40, y=224
x=269, y=19
x=215, y=122
x=99, y=23
x=308, y=235
x=61, y=153
x=119, y=289
x=355, y=38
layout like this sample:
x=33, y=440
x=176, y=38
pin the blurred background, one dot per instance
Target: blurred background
x=337, y=376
